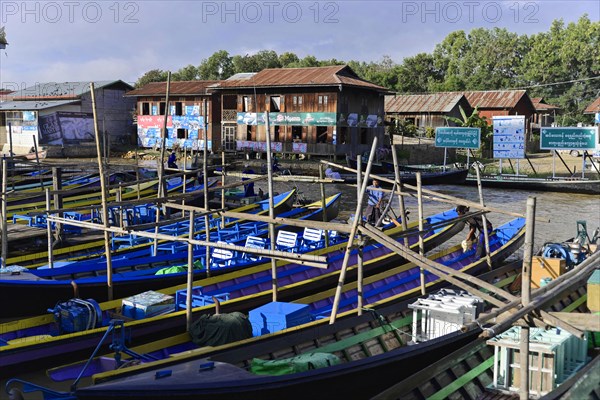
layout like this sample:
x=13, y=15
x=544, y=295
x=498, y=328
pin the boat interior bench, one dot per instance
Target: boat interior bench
x=198, y=298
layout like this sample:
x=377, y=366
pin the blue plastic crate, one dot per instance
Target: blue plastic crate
x=276, y=316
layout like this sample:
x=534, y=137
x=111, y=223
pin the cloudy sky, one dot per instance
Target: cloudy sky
x=72, y=40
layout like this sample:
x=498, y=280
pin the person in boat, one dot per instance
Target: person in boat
x=476, y=234
x=172, y=160
x=374, y=201
x=248, y=187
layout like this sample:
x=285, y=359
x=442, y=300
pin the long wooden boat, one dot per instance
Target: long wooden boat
x=371, y=350
x=74, y=242
x=564, y=185
x=247, y=288
x=441, y=177
x=468, y=372
x=382, y=288
x=376, y=168
x=133, y=270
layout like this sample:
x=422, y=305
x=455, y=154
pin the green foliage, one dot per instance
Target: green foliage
x=155, y=75
x=216, y=67
x=482, y=59
x=429, y=132
x=475, y=121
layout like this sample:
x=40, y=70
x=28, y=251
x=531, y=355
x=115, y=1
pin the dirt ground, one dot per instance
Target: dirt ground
x=542, y=163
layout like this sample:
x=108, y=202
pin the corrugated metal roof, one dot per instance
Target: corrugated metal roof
x=315, y=76
x=417, y=103
x=593, y=108
x=177, y=88
x=540, y=105
x=62, y=90
x=31, y=105
x=504, y=99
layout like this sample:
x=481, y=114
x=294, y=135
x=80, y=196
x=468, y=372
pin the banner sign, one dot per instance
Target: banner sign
x=458, y=137
x=569, y=138
x=509, y=136
x=311, y=119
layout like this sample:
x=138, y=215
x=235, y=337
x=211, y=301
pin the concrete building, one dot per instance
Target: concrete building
x=59, y=115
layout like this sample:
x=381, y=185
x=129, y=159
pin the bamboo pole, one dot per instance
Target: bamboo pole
x=49, y=230
x=354, y=230
x=421, y=243
x=205, y=183
x=324, y=204
x=555, y=285
x=440, y=197
x=109, y=282
x=486, y=236
x=37, y=161
x=223, y=176
x=271, y=207
x=399, y=188
x=4, y=223
x=137, y=172
x=525, y=297
x=160, y=167
x=57, y=185
x=297, y=258
x=190, y=276
x=359, y=238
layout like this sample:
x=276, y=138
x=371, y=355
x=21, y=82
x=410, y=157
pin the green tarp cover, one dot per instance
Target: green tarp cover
x=214, y=330
x=178, y=268
x=292, y=365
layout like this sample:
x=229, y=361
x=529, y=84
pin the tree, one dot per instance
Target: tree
x=417, y=74
x=288, y=60
x=216, y=67
x=154, y=75
x=475, y=121
x=189, y=73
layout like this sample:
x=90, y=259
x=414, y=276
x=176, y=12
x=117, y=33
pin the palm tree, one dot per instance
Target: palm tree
x=475, y=121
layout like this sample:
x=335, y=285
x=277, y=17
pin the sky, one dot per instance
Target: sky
x=70, y=40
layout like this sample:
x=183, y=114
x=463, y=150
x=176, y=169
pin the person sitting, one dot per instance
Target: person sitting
x=475, y=226
x=248, y=187
x=374, y=200
x=172, y=160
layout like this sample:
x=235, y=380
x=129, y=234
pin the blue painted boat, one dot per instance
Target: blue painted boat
x=37, y=341
x=134, y=270
x=370, y=350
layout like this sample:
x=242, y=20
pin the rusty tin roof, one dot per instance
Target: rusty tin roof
x=417, y=103
x=177, y=88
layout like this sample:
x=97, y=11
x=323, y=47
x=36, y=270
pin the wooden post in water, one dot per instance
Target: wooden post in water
x=526, y=297
x=205, y=182
x=49, y=230
x=271, y=205
x=190, y=276
x=353, y=231
x=3, y=224
x=109, y=282
x=223, y=175
x=359, y=239
x=57, y=186
x=37, y=161
x=400, y=197
x=160, y=167
x=137, y=173
x=486, y=235
x=421, y=243
x=323, y=203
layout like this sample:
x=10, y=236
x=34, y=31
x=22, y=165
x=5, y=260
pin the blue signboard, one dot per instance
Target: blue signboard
x=458, y=137
x=509, y=136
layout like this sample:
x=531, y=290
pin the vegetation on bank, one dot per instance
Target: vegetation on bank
x=562, y=65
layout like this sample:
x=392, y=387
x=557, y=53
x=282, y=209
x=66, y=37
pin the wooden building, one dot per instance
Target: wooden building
x=59, y=115
x=426, y=110
x=187, y=117
x=594, y=109
x=492, y=103
x=545, y=114
x=325, y=111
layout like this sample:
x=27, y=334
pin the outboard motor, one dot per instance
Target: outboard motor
x=77, y=315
